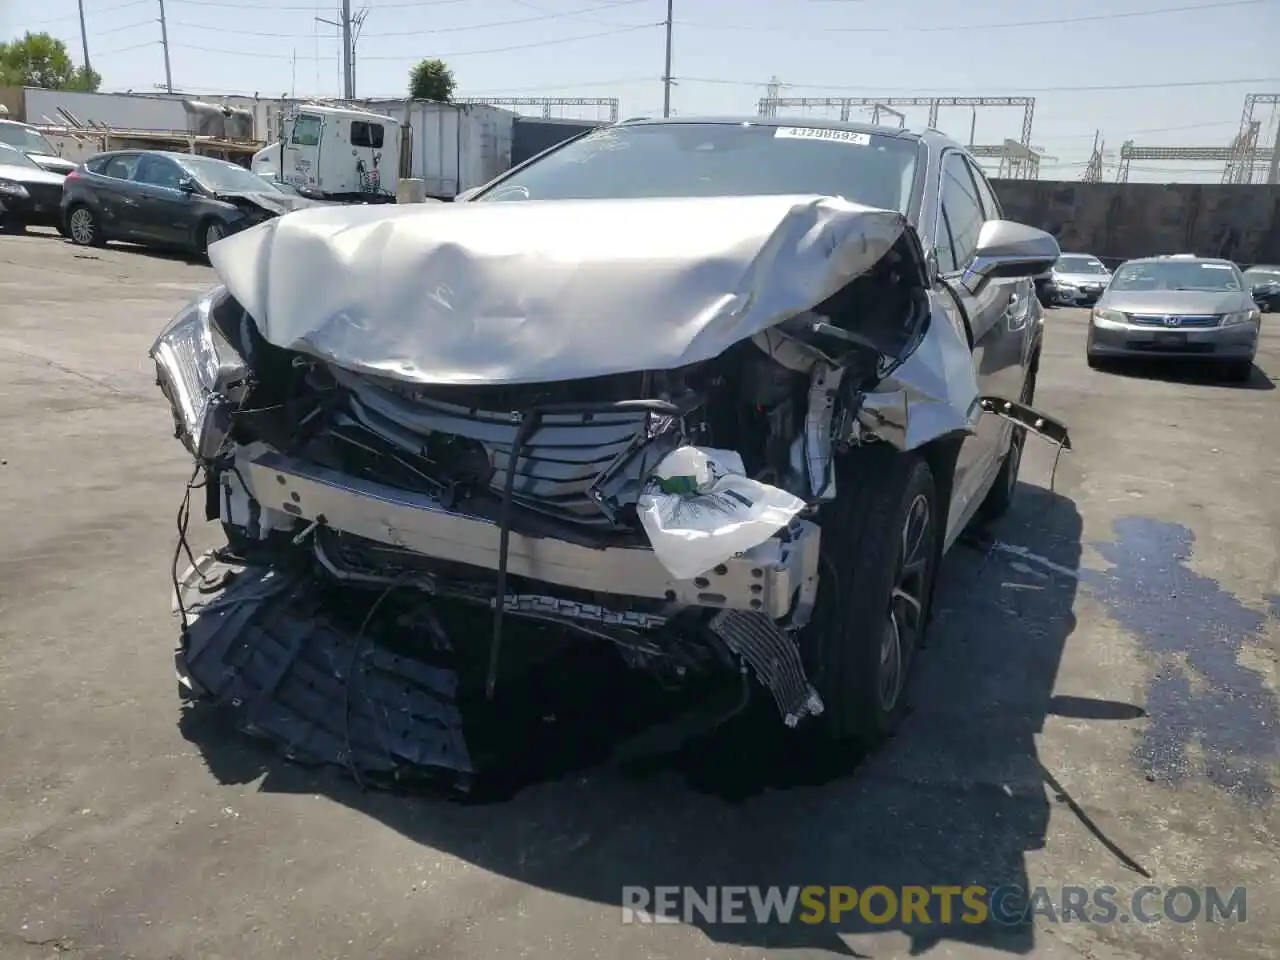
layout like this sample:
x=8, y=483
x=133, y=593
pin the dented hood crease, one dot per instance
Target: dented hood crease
x=533, y=291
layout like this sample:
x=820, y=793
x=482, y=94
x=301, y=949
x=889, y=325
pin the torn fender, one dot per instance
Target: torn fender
x=932, y=393
x=539, y=291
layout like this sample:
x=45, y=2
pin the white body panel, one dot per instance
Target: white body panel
x=453, y=147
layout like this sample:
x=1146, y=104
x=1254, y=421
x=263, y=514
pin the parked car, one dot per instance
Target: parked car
x=34, y=144
x=1078, y=279
x=162, y=199
x=713, y=398
x=1177, y=308
x=29, y=194
x=1264, y=286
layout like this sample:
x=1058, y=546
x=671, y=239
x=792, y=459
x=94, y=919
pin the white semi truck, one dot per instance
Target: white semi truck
x=335, y=153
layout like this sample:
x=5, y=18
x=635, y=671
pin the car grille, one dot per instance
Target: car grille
x=1183, y=322
x=558, y=463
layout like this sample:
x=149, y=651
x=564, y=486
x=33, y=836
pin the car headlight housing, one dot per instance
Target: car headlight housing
x=1241, y=316
x=201, y=374
x=9, y=188
x=1109, y=316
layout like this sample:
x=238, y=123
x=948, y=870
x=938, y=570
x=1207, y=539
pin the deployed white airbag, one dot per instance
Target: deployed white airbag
x=699, y=510
x=529, y=291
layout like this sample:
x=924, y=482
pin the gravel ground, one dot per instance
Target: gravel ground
x=1098, y=706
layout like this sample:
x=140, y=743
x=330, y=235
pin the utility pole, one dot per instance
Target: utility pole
x=164, y=42
x=84, y=42
x=666, y=73
x=350, y=27
x=348, y=80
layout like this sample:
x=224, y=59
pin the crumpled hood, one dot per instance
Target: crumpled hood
x=273, y=201
x=28, y=176
x=53, y=164
x=533, y=291
x=1082, y=279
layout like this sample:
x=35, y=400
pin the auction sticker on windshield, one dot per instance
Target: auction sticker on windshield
x=823, y=133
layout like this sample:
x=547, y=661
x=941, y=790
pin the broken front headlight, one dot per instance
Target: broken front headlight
x=201, y=374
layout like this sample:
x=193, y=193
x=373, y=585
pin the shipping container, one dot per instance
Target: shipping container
x=451, y=147
x=532, y=135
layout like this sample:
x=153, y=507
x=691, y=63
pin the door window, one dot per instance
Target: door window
x=306, y=131
x=990, y=202
x=119, y=167
x=961, y=215
x=158, y=172
x=365, y=134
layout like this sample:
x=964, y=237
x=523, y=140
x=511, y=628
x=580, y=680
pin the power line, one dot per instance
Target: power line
x=127, y=26
x=997, y=25
x=132, y=46
x=311, y=7
x=418, y=56
x=75, y=16
x=404, y=33
x=925, y=91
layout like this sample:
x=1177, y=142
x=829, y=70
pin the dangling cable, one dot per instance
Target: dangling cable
x=523, y=433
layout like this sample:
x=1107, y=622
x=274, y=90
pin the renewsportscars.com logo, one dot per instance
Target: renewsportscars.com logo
x=974, y=904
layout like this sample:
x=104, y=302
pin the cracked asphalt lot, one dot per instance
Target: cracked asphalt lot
x=1098, y=706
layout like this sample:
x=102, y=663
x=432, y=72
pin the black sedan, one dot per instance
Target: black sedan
x=29, y=194
x=172, y=200
x=1264, y=282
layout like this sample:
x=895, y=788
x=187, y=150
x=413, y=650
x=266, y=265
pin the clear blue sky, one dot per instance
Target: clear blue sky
x=725, y=51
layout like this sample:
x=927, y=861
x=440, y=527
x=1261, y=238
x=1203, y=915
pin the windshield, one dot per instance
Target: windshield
x=222, y=177
x=1177, y=275
x=9, y=157
x=718, y=160
x=26, y=139
x=1070, y=264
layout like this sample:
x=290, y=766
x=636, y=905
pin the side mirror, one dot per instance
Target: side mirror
x=187, y=185
x=1010, y=251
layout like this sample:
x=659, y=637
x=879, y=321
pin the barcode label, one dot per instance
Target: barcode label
x=824, y=133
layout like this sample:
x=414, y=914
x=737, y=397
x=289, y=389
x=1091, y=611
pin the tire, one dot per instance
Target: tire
x=83, y=228
x=861, y=644
x=1000, y=497
x=211, y=231
x=13, y=226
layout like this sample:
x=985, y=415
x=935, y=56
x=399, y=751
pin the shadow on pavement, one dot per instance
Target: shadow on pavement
x=957, y=799
x=1197, y=373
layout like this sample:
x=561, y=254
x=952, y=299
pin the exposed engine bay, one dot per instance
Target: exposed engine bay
x=669, y=511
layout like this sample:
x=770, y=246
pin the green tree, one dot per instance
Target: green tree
x=431, y=80
x=41, y=60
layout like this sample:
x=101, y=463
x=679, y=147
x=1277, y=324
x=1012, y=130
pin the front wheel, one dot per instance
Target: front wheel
x=210, y=233
x=880, y=551
x=82, y=227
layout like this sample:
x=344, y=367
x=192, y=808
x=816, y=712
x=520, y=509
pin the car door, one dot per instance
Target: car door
x=1008, y=346
x=110, y=193
x=993, y=316
x=164, y=210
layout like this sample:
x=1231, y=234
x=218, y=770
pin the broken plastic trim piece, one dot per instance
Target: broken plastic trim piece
x=1029, y=418
x=775, y=659
x=261, y=647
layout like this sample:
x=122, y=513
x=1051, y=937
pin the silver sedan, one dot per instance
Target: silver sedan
x=1177, y=307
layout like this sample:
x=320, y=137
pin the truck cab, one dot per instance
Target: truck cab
x=337, y=153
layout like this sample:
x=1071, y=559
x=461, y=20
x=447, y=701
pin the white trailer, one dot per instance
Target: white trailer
x=451, y=147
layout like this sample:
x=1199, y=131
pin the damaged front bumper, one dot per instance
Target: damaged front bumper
x=775, y=578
